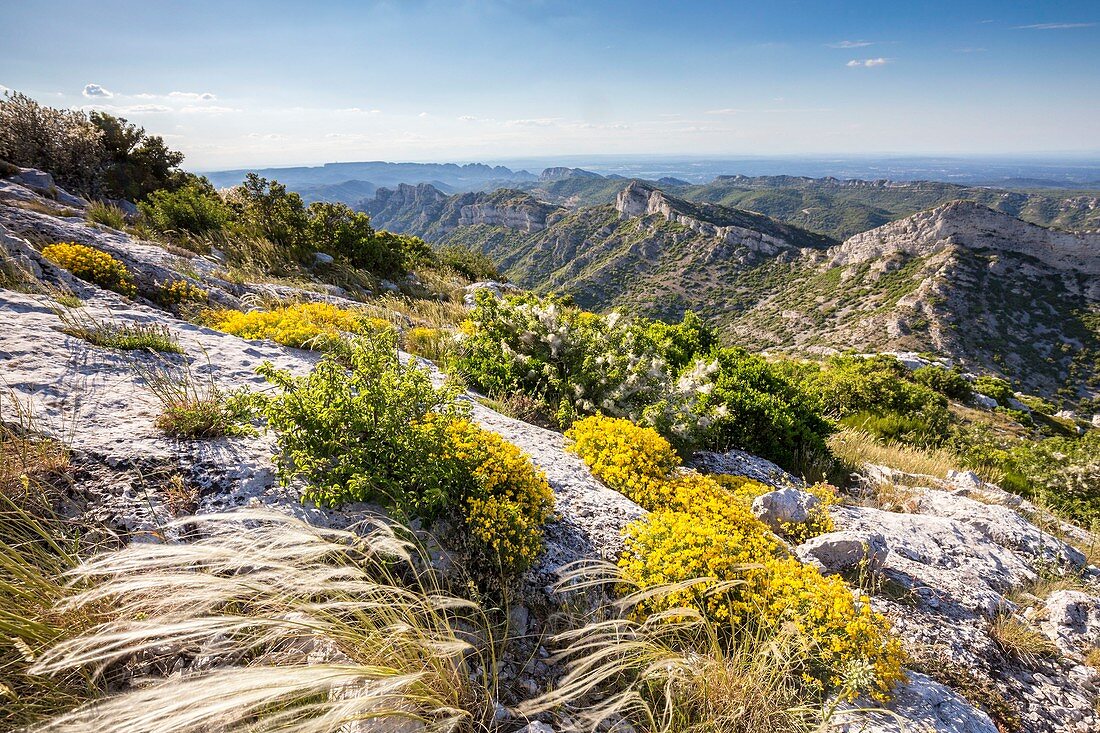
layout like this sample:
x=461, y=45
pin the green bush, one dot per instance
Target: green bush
x=269, y=210
x=94, y=154
x=194, y=208
x=475, y=266
x=948, y=382
x=754, y=407
x=364, y=427
x=998, y=389
x=667, y=376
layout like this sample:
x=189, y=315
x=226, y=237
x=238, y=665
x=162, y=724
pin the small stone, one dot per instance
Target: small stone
x=784, y=506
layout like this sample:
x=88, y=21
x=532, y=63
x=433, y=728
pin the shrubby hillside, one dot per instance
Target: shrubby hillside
x=962, y=281
x=267, y=466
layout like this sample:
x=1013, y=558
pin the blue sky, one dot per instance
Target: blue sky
x=263, y=83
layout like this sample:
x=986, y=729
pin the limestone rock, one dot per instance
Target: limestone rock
x=740, y=463
x=845, y=550
x=982, y=400
x=498, y=289
x=42, y=183
x=784, y=506
x=1072, y=621
x=921, y=704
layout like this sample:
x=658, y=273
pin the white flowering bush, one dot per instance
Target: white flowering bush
x=672, y=377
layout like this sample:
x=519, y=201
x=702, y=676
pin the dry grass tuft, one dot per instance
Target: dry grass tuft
x=303, y=630
x=1021, y=640
x=856, y=447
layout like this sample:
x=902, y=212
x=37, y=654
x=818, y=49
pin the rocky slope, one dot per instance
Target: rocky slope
x=960, y=555
x=962, y=280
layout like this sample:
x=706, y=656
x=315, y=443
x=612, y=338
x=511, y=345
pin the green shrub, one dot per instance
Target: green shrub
x=667, y=376
x=475, y=266
x=108, y=215
x=194, y=208
x=364, y=427
x=754, y=407
x=268, y=209
x=948, y=382
x=994, y=387
x=341, y=232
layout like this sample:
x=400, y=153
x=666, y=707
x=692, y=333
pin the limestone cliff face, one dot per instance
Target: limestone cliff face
x=757, y=233
x=974, y=227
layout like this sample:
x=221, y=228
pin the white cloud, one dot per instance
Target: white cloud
x=851, y=44
x=359, y=111
x=94, y=91
x=723, y=111
x=540, y=122
x=193, y=96
x=468, y=118
x=1053, y=26
x=867, y=63
x=423, y=114
x=267, y=136
x=145, y=108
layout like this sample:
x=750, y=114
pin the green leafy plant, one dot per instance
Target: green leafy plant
x=362, y=426
x=194, y=209
x=197, y=409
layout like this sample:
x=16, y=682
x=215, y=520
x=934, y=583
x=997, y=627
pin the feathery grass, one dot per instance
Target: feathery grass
x=292, y=628
x=675, y=671
x=1021, y=639
x=856, y=447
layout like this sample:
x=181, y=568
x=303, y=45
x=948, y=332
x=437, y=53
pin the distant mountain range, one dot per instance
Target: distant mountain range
x=960, y=279
x=350, y=182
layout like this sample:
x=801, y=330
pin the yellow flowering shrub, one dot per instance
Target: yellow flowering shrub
x=632, y=460
x=92, y=265
x=302, y=325
x=507, y=499
x=702, y=527
x=179, y=292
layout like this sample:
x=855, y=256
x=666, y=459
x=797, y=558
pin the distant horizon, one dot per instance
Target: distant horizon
x=1084, y=157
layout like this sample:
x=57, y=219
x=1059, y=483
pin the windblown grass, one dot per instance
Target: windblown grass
x=195, y=408
x=675, y=671
x=108, y=215
x=296, y=629
x=118, y=335
x=1021, y=639
x=857, y=448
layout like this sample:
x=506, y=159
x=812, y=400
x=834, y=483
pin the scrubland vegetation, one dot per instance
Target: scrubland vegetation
x=712, y=624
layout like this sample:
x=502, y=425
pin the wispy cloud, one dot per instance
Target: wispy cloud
x=723, y=111
x=867, y=63
x=540, y=122
x=1053, y=26
x=468, y=118
x=95, y=91
x=851, y=44
x=193, y=96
